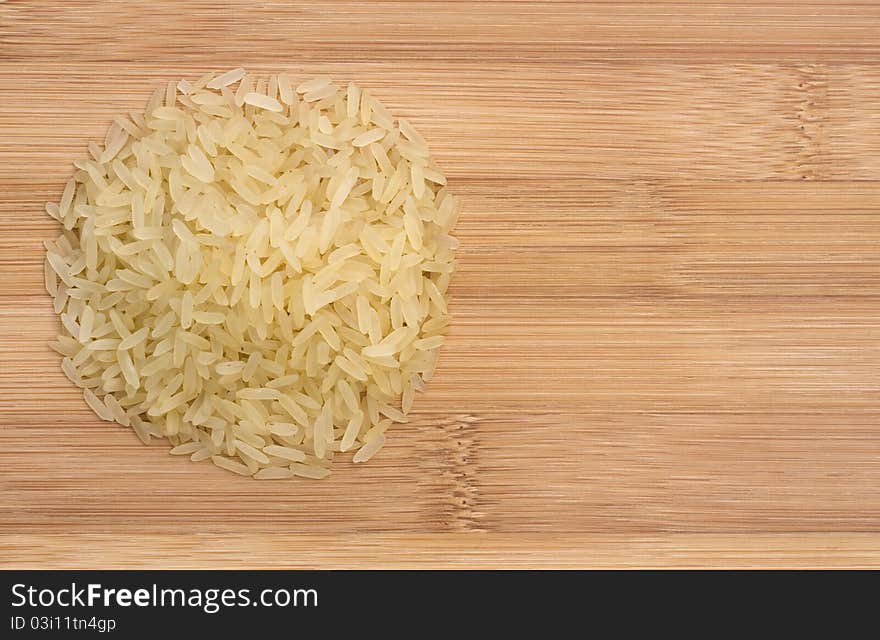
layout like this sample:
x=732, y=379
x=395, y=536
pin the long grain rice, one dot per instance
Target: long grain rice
x=255, y=270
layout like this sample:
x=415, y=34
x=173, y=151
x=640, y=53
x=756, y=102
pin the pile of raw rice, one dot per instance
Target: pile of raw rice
x=255, y=271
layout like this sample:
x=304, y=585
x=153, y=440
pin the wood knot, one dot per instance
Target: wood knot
x=449, y=452
x=811, y=106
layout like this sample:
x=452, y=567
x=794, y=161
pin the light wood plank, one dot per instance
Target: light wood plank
x=440, y=551
x=398, y=32
x=514, y=121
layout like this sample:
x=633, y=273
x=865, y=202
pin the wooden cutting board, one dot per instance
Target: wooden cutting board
x=666, y=349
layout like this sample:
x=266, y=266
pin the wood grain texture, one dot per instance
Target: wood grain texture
x=666, y=348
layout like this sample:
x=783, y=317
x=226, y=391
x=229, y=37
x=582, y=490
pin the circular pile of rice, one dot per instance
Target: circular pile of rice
x=255, y=271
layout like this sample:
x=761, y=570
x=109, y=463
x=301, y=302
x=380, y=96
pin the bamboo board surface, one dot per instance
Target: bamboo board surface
x=666, y=341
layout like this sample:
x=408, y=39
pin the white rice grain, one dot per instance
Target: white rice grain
x=262, y=101
x=226, y=79
x=369, y=450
